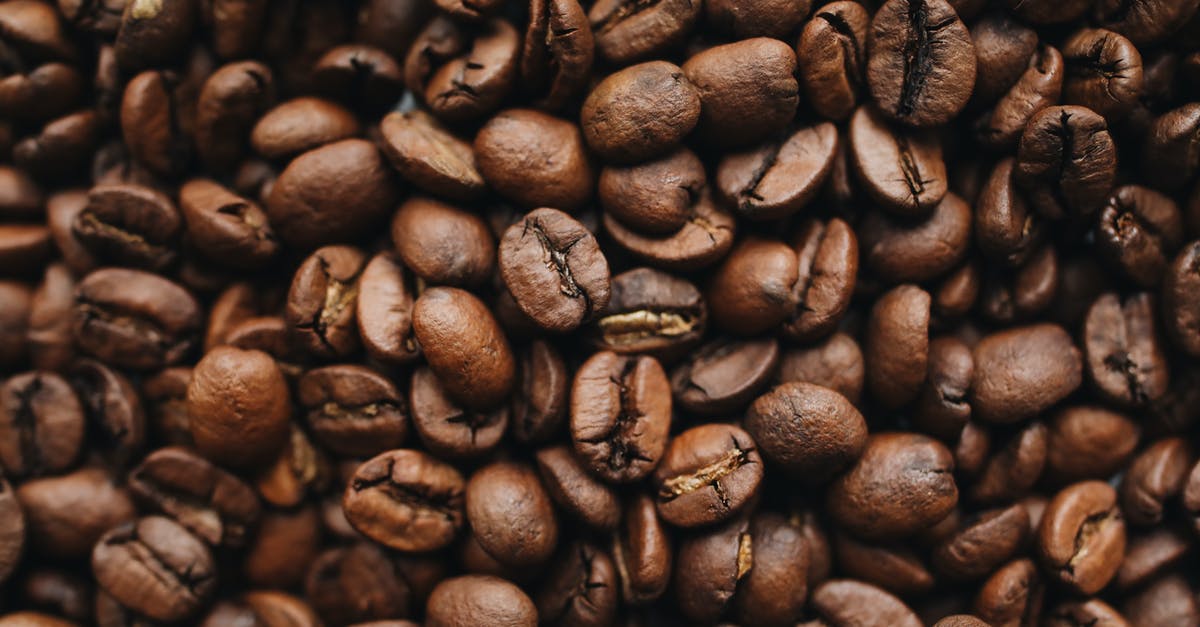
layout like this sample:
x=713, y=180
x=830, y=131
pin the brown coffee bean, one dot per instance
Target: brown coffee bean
x=723, y=376
x=753, y=74
x=1122, y=352
x=582, y=589
x=153, y=33
x=1088, y=442
x=704, y=239
x=1150, y=23
x=1151, y=554
x=901, y=169
x=1081, y=541
x=41, y=424
x=1006, y=299
x=1023, y=371
x=1180, y=309
x=155, y=567
x=430, y=156
x=231, y=100
x=239, y=405
x=556, y=58
x=134, y=319
x=353, y=410
x=903, y=482
x=570, y=486
x=921, y=64
x=1003, y=46
x=717, y=456
x=655, y=197
x=1006, y=229
x=626, y=31
x=406, y=500
x=620, y=415
x=539, y=401
x=61, y=210
x=651, y=312
x=155, y=115
x=300, y=125
x=1167, y=601
x=1104, y=72
x=751, y=292
x=893, y=567
x=330, y=194
x=512, y=140
x=446, y=428
x=642, y=552
x=464, y=347
x=811, y=432
x=640, y=112
x=321, y=301
x=1014, y=469
x=709, y=568
x=835, y=363
x=358, y=74
x=286, y=544
x=476, y=81
x=1011, y=596
x=834, y=47
x=298, y=471
x=1138, y=231
x=1090, y=612
x=900, y=250
x=983, y=543
x=225, y=227
x=942, y=409
x=1066, y=162
x=1168, y=162
x=1154, y=477
x=850, y=602
x=358, y=583
x=384, y=310
x=112, y=405
x=211, y=503
x=511, y=515
x=129, y=224
x=63, y=145
x=443, y=244
x=1040, y=86
x=897, y=345
x=781, y=177
x=479, y=600
x=554, y=269
x=65, y=515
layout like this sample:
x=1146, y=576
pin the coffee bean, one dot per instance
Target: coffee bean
x=983, y=543
x=157, y=107
x=65, y=515
x=1138, y=231
x=921, y=67
x=751, y=292
x=225, y=227
x=12, y=530
x=572, y=488
x=41, y=424
x=1039, y=86
x=297, y=471
x=479, y=600
x=134, y=319
x=1082, y=537
x=1166, y=601
x=762, y=18
x=155, y=567
x=1167, y=161
x=384, y=310
x=50, y=344
x=406, y=500
x=430, y=156
x=835, y=363
x=554, y=269
x=331, y=194
x=61, y=147
x=897, y=345
x=846, y=601
x=286, y=543
x=753, y=74
x=778, y=178
x=300, y=125
x=704, y=238
x=717, y=456
x=1122, y=352
x=709, y=568
x=357, y=583
x=1088, y=442
x=655, y=197
x=903, y=482
x=893, y=567
x=239, y=405
x=627, y=31
x=513, y=139
x=112, y=406
x=1003, y=46
x=1015, y=468
x=360, y=74
x=475, y=80
x=1023, y=371
x=448, y=429
x=1180, y=310
x=901, y=169
x=129, y=224
x=153, y=33
x=1104, y=72
x=1012, y=594
x=640, y=112
x=511, y=515
x=539, y=401
x=620, y=415
x=211, y=503
x=1156, y=475
x=1066, y=162
x=322, y=301
x=231, y=100
x=811, y=432
x=722, y=376
x=775, y=589
x=1092, y=611
x=651, y=312
x=266, y=608
x=834, y=47
x=443, y=244
x=1006, y=299
x=583, y=588
x=942, y=409
x=353, y=410
x=1006, y=229
x=556, y=58
x=456, y=331
x=902, y=250
x=61, y=210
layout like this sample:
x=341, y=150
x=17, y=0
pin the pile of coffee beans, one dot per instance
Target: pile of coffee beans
x=503, y=313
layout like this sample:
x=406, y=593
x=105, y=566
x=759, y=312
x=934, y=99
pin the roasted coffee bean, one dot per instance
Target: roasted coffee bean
x=1166, y=601
x=353, y=410
x=583, y=589
x=61, y=210
x=640, y=112
x=298, y=471
x=751, y=292
x=448, y=429
x=113, y=407
x=464, y=347
x=479, y=600
x=443, y=244
x=1154, y=477
x=654, y=197
x=239, y=405
x=753, y=74
x=130, y=225
x=286, y=544
x=226, y=228
x=1168, y=160
x=231, y=100
x=834, y=48
x=704, y=238
x=722, y=376
x=156, y=112
x=763, y=18
x=983, y=543
x=778, y=178
x=901, y=169
x=1138, y=231
x=1006, y=228
x=1066, y=162
x=942, y=408
x=809, y=431
x=1012, y=470
x=59, y=592
x=1006, y=299
x=331, y=194
x=1090, y=612
x=213, y=504
x=851, y=602
x=63, y=145
x=474, y=80
x=774, y=591
x=265, y=608
x=512, y=140
x=1023, y=371
x=1151, y=554
x=511, y=515
x=1038, y=87
x=651, y=312
x=1082, y=537
x=65, y=515
x=363, y=75
x=710, y=566
x=554, y=269
x=12, y=530
x=430, y=156
x=1122, y=352
x=384, y=310
x=893, y=567
x=134, y=319
x=1012, y=595
x=1180, y=309
x=556, y=58
x=573, y=489
x=1003, y=46
x=896, y=352
x=921, y=64
x=406, y=500
x=24, y=248
x=300, y=125
x=1043, y=12
x=321, y=302
x=41, y=424
x=627, y=31
x=900, y=250
x=357, y=583
x=1104, y=72
x=620, y=415
x=1088, y=442
x=539, y=401
x=707, y=475
x=835, y=363
x=14, y=322
x=153, y=33
x=155, y=567
x=903, y=482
